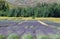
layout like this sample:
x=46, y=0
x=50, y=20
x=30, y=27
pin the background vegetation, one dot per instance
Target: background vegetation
x=40, y=10
x=28, y=36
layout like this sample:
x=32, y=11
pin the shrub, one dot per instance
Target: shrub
x=56, y=37
x=42, y=36
x=2, y=37
x=45, y=37
x=38, y=36
x=13, y=36
x=27, y=36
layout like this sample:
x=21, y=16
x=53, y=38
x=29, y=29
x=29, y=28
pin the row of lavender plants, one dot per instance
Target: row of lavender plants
x=29, y=36
x=40, y=10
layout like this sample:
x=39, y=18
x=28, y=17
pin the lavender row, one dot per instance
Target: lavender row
x=9, y=22
x=31, y=26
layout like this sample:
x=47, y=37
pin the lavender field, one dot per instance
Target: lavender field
x=21, y=27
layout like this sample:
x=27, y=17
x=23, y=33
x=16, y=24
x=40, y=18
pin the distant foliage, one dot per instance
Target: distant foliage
x=40, y=10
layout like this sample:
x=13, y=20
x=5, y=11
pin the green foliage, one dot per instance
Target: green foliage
x=40, y=10
x=27, y=36
x=2, y=37
x=45, y=37
x=3, y=5
x=42, y=36
x=13, y=36
x=56, y=37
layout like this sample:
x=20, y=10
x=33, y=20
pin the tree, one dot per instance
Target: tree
x=2, y=5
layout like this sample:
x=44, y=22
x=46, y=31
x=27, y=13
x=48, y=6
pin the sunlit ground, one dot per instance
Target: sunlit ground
x=30, y=18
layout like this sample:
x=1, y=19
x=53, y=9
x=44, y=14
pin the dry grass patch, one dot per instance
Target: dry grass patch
x=30, y=18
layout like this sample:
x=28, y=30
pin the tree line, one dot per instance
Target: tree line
x=40, y=10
